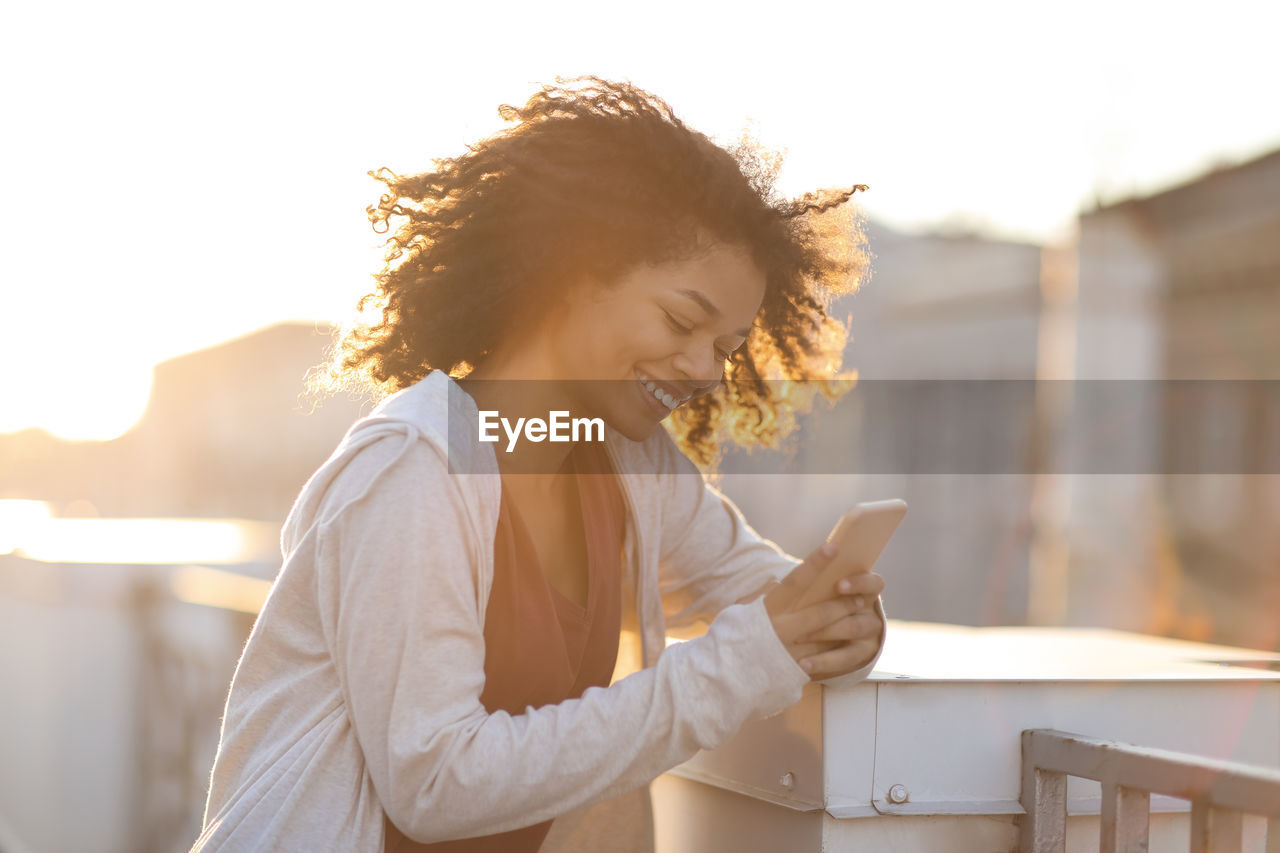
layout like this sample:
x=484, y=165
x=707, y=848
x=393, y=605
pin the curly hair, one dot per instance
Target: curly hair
x=595, y=178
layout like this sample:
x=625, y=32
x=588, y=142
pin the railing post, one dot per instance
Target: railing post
x=1126, y=819
x=1215, y=830
x=1044, y=799
x=1221, y=793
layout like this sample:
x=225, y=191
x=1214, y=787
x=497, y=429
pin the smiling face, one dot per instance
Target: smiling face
x=659, y=334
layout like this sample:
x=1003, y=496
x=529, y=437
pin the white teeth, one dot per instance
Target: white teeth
x=666, y=399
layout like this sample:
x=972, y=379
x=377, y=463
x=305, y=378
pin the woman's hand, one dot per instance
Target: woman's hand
x=831, y=637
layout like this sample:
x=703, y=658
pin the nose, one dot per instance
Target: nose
x=699, y=367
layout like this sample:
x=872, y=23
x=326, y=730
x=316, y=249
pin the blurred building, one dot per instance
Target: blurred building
x=1180, y=285
x=1185, y=285
x=228, y=432
x=940, y=328
x=118, y=641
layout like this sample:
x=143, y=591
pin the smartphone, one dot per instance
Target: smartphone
x=861, y=534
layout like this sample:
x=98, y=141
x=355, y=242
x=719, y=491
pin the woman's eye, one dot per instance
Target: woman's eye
x=680, y=327
x=676, y=324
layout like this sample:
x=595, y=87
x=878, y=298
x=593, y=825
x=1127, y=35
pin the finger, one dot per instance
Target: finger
x=799, y=579
x=801, y=651
x=822, y=614
x=865, y=583
x=856, y=626
x=839, y=660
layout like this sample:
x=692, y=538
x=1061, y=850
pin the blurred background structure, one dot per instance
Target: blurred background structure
x=1179, y=285
x=133, y=557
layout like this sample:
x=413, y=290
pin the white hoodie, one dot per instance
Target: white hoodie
x=359, y=688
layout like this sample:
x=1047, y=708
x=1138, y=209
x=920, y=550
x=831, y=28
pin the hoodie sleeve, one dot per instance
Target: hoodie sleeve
x=711, y=557
x=397, y=568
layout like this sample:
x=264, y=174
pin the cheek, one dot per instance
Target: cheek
x=603, y=345
x=616, y=338
x=594, y=346
x=609, y=334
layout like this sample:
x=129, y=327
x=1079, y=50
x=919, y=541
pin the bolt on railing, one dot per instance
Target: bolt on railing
x=1220, y=792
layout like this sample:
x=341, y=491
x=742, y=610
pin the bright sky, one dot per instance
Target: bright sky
x=179, y=174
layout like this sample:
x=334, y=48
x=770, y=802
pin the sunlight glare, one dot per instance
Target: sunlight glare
x=136, y=541
x=218, y=588
x=96, y=402
x=18, y=516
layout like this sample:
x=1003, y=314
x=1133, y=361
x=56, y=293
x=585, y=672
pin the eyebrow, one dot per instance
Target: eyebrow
x=707, y=305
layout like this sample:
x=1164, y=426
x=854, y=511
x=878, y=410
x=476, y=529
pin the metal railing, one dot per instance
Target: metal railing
x=1221, y=793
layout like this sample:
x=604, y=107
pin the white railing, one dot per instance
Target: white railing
x=1221, y=793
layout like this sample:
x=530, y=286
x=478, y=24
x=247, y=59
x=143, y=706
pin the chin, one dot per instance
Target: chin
x=636, y=430
x=617, y=405
x=628, y=423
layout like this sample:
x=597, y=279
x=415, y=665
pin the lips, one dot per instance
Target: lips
x=660, y=392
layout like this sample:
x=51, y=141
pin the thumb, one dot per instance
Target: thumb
x=788, y=591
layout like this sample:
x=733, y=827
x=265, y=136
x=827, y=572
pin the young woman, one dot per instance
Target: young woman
x=433, y=668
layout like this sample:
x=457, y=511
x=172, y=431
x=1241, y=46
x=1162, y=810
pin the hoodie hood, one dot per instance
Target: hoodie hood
x=436, y=410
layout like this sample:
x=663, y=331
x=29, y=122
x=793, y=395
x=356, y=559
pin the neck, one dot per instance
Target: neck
x=522, y=389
